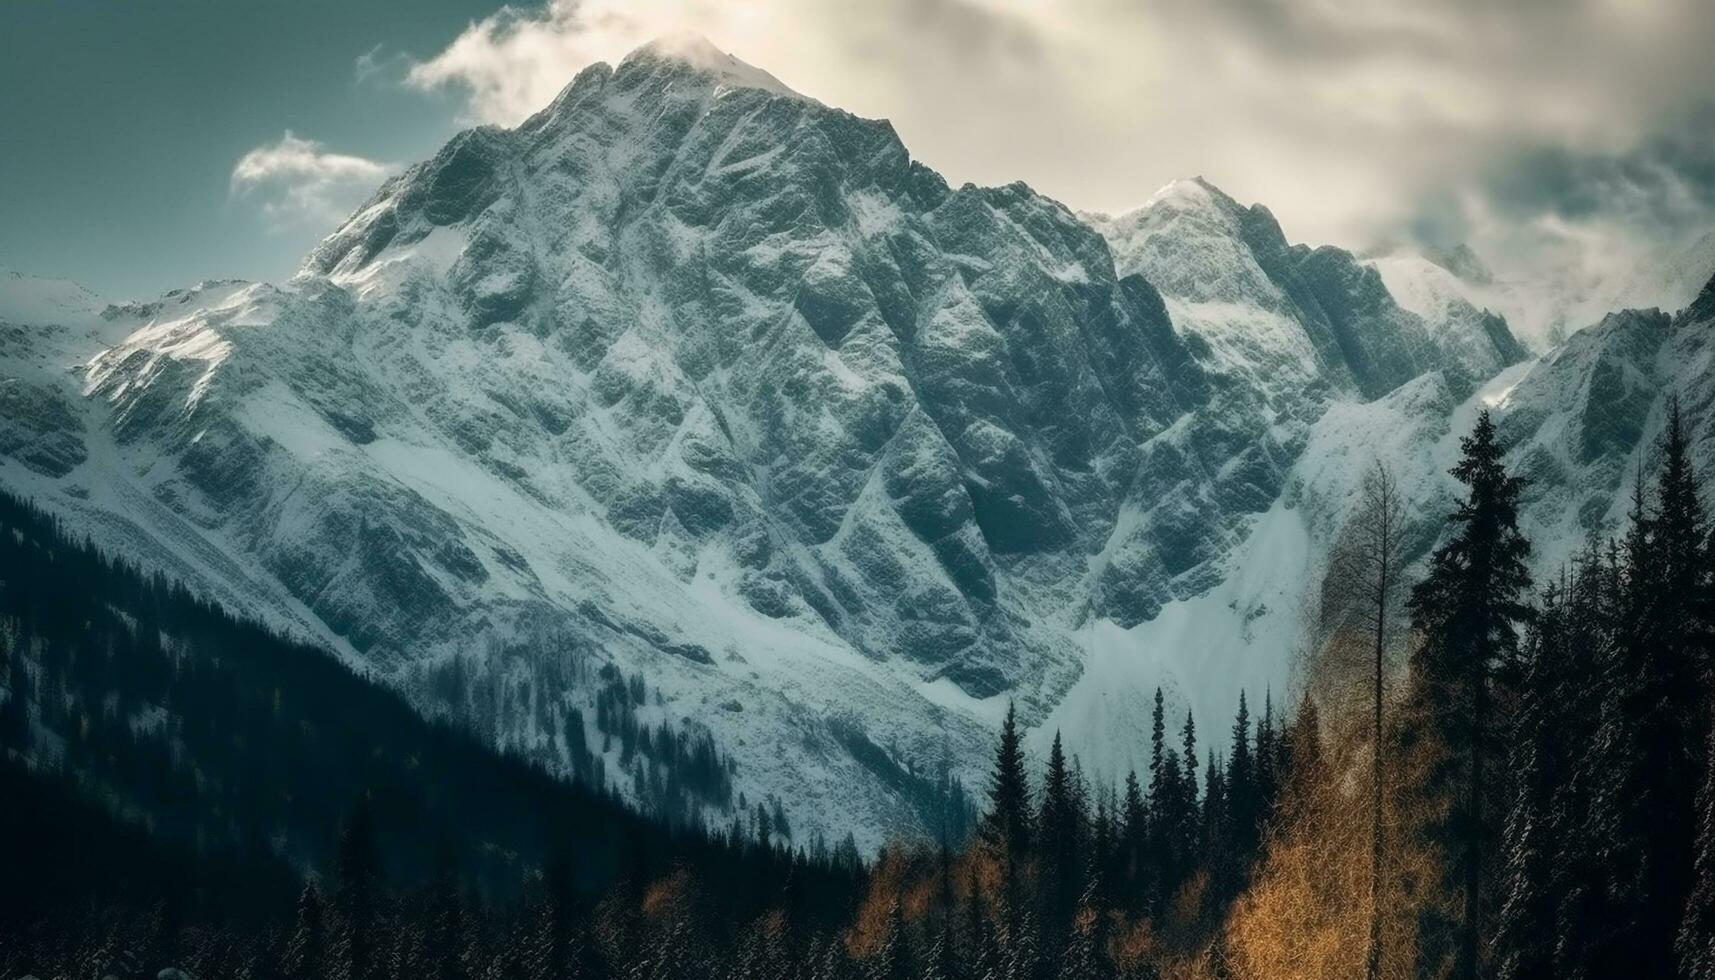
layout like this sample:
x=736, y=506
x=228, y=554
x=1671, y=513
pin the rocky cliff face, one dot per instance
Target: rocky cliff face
x=716, y=382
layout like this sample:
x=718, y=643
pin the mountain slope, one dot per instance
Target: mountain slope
x=148, y=715
x=700, y=378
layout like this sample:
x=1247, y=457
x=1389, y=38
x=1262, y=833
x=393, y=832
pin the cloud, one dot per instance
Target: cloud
x=1317, y=106
x=1353, y=120
x=297, y=182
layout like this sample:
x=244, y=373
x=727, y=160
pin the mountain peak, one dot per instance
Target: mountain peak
x=1188, y=191
x=698, y=53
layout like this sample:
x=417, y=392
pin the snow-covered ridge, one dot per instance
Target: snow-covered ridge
x=34, y=299
x=718, y=383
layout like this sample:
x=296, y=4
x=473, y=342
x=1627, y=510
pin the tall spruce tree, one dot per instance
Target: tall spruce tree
x=1163, y=778
x=1058, y=860
x=1007, y=828
x=1468, y=611
x=1189, y=819
x=1267, y=764
x=1134, y=842
x=1242, y=801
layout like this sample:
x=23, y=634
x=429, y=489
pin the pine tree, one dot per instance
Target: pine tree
x=1134, y=841
x=893, y=961
x=1188, y=829
x=1157, y=740
x=304, y=953
x=1162, y=777
x=1468, y=611
x=982, y=949
x=1651, y=743
x=1007, y=827
x=1058, y=824
x=1268, y=762
x=1242, y=803
x=1524, y=937
x=1695, y=943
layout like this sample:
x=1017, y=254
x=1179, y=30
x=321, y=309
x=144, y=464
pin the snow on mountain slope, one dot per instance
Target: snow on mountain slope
x=1289, y=311
x=716, y=383
x=33, y=299
x=1478, y=338
x=1580, y=423
x=1549, y=304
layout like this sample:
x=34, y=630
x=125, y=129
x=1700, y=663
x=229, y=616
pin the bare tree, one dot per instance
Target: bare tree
x=1361, y=606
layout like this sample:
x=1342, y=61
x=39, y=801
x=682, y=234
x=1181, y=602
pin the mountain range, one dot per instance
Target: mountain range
x=714, y=383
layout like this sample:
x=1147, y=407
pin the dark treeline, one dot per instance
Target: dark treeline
x=1605, y=830
x=167, y=769
x=1542, y=767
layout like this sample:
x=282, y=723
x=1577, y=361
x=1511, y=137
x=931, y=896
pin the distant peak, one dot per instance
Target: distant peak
x=1187, y=190
x=698, y=53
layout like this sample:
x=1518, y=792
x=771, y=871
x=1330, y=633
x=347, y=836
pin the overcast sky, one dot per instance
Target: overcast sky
x=146, y=145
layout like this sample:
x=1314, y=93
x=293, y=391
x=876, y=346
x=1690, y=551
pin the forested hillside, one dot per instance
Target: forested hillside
x=173, y=756
x=1482, y=776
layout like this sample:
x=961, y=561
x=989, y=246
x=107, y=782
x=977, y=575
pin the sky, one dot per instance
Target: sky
x=147, y=145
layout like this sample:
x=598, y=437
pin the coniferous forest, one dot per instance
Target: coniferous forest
x=1482, y=775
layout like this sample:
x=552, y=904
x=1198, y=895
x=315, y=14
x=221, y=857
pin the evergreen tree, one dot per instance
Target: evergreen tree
x=1651, y=743
x=1162, y=777
x=1157, y=740
x=894, y=960
x=1008, y=827
x=1242, y=802
x=1695, y=944
x=1134, y=841
x=1188, y=829
x=1468, y=611
x=1524, y=937
x=982, y=949
x=304, y=953
x=1058, y=824
x=1267, y=764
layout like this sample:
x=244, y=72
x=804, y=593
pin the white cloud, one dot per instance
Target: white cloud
x=297, y=182
x=1532, y=129
x=1340, y=114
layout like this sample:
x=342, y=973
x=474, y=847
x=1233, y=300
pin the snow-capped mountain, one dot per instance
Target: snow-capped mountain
x=718, y=382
